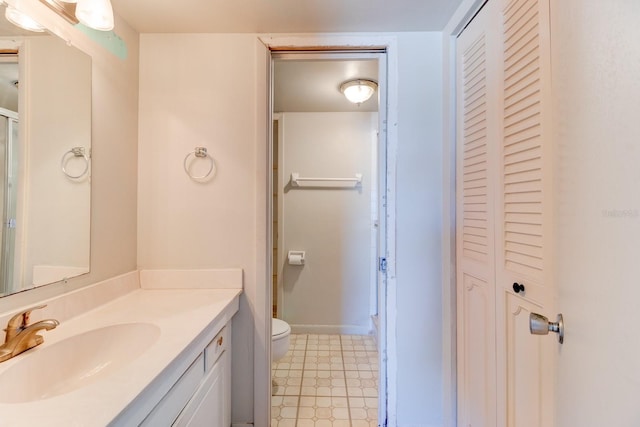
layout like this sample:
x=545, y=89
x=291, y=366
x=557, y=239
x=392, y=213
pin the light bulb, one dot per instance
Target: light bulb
x=96, y=14
x=359, y=90
x=22, y=20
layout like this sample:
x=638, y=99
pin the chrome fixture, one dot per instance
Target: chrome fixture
x=79, y=153
x=21, y=336
x=198, y=153
x=540, y=325
x=65, y=9
x=358, y=90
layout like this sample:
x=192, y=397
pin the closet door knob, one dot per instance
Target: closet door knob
x=518, y=287
x=540, y=325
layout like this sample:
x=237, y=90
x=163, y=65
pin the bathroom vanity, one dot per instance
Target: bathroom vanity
x=149, y=357
x=195, y=387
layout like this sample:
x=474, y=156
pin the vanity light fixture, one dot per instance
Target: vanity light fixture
x=358, y=90
x=96, y=14
x=22, y=20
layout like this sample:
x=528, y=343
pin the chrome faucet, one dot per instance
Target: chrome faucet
x=21, y=336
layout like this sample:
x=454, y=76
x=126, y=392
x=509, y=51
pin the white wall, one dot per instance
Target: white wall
x=419, y=230
x=596, y=58
x=200, y=90
x=331, y=292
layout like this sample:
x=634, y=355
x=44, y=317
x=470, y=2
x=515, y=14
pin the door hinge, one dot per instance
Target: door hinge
x=382, y=264
x=11, y=223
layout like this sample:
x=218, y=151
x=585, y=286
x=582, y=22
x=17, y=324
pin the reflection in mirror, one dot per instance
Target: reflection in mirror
x=45, y=149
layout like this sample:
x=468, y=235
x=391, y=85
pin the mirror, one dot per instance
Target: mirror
x=45, y=166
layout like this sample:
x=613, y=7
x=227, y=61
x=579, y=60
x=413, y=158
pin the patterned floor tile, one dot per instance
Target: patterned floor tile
x=326, y=381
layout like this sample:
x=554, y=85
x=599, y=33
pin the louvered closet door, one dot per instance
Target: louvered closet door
x=477, y=147
x=523, y=218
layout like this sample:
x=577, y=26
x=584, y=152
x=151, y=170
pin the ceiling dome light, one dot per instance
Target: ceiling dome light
x=358, y=90
x=22, y=20
x=96, y=14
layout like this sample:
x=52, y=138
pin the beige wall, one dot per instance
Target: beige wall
x=331, y=292
x=114, y=168
x=199, y=90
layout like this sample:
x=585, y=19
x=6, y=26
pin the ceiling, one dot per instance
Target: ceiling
x=284, y=16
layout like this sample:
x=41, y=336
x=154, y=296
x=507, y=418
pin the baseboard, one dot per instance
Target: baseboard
x=331, y=329
x=241, y=425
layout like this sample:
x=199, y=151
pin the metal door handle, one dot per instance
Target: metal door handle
x=540, y=325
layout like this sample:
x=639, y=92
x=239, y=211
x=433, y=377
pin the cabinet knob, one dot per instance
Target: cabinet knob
x=220, y=340
x=518, y=287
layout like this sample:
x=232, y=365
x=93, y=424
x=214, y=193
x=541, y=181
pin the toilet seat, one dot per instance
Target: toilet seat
x=279, y=328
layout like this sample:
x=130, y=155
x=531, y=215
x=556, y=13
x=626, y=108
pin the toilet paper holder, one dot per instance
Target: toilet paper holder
x=296, y=257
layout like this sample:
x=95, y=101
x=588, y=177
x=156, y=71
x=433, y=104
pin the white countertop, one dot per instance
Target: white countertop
x=181, y=316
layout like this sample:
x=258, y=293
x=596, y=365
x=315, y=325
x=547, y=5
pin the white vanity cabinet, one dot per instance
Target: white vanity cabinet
x=201, y=396
x=211, y=403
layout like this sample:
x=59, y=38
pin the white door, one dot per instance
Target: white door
x=596, y=57
x=505, y=217
x=524, y=218
x=477, y=142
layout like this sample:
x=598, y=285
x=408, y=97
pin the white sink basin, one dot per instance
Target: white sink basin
x=75, y=362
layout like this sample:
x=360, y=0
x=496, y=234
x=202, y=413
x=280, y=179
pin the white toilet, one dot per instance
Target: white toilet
x=280, y=331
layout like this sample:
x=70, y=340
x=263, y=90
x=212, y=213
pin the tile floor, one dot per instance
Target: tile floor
x=326, y=381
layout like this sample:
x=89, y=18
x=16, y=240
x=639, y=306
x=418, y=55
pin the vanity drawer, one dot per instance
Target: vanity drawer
x=216, y=347
x=168, y=409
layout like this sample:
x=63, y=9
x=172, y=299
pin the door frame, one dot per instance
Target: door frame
x=387, y=316
x=378, y=231
x=459, y=20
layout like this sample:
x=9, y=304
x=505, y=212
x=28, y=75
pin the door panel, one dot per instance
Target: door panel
x=524, y=218
x=477, y=137
x=479, y=344
x=597, y=99
x=524, y=365
x=504, y=216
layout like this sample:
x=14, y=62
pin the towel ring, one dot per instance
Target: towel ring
x=76, y=152
x=202, y=153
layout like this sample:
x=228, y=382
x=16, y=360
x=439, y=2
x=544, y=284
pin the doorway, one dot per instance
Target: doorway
x=330, y=186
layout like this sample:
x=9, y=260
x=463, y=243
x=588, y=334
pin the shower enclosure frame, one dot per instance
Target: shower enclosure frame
x=9, y=201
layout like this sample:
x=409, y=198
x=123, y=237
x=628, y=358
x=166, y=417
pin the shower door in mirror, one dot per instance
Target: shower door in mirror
x=8, y=198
